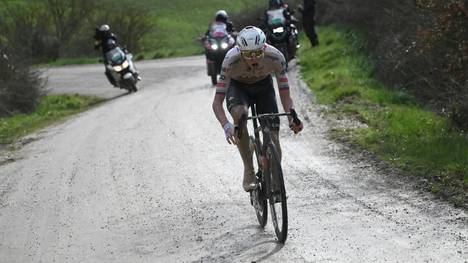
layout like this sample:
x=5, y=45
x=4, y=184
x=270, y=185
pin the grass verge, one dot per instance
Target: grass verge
x=179, y=23
x=51, y=110
x=398, y=130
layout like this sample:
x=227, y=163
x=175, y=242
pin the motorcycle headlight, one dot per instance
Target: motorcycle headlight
x=125, y=64
x=117, y=68
x=224, y=45
x=278, y=30
x=121, y=67
x=214, y=46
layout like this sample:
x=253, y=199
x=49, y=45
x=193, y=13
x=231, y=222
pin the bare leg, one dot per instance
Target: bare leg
x=244, y=150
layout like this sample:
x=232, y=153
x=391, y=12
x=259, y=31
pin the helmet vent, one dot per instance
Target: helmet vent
x=257, y=40
x=244, y=42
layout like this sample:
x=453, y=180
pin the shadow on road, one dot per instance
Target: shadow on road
x=241, y=244
x=115, y=97
x=275, y=250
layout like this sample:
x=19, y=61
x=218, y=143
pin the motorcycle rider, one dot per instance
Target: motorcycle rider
x=219, y=27
x=246, y=76
x=274, y=8
x=279, y=13
x=105, y=40
x=221, y=22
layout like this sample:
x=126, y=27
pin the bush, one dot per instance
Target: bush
x=131, y=23
x=418, y=46
x=46, y=30
x=20, y=87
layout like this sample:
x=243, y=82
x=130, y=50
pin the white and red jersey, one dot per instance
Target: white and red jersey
x=233, y=67
x=218, y=29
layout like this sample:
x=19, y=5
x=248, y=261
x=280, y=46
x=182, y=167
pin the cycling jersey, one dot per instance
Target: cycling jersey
x=234, y=68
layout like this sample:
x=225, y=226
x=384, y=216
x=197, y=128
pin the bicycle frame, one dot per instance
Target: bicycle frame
x=262, y=123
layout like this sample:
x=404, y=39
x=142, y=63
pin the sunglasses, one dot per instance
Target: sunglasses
x=252, y=54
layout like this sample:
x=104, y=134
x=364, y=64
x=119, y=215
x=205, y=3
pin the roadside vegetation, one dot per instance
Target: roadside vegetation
x=51, y=109
x=59, y=32
x=42, y=33
x=398, y=128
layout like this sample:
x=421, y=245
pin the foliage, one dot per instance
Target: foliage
x=445, y=45
x=51, y=109
x=418, y=46
x=20, y=86
x=45, y=30
x=397, y=128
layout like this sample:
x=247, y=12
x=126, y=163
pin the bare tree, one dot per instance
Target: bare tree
x=68, y=17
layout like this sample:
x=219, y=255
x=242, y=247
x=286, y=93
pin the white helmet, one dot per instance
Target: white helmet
x=251, y=38
x=104, y=28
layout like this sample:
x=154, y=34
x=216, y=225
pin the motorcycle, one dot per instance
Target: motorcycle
x=120, y=67
x=216, y=47
x=283, y=36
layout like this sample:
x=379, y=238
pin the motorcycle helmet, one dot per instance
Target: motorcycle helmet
x=275, y=3
x=104, y=28
x=251, y=38
x=221, y=15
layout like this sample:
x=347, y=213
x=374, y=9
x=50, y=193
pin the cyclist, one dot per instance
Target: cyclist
x=245, y=77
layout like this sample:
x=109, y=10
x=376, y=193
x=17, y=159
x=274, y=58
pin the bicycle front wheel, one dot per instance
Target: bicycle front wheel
x=277, y=194
x=258, y=196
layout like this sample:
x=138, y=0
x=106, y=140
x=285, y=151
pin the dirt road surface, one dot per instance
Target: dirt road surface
x=148, y=177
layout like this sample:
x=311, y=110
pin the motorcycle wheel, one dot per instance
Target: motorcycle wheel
x=212, y=73
x=214, y=79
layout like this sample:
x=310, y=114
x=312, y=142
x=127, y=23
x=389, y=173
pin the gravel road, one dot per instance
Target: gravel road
x=148, y=177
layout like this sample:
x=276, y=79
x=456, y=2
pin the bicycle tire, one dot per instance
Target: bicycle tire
x=281, y=228
x=258, y=196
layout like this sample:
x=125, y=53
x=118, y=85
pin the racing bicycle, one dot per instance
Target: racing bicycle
x=269, y=174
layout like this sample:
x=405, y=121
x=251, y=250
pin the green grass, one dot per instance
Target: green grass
x=177, y=26
x=50, y=110
x=179, y=23
x=398, y=129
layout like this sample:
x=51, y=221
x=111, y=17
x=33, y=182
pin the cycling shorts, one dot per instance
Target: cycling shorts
x=261, y=93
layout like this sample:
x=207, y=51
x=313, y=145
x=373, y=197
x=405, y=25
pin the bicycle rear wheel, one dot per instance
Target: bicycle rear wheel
x=277, y=194
x=258, y=196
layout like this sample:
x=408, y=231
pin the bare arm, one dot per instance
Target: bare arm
x=285, y=96
x=221, y=89
x=283, y=85
x=219, y=110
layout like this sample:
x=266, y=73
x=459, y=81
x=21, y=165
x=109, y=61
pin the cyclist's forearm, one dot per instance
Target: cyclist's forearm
x=286, y=100
x=219, y=110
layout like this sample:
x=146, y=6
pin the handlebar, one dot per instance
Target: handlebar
x=243, y=119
